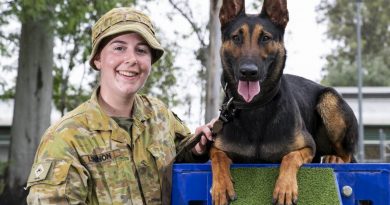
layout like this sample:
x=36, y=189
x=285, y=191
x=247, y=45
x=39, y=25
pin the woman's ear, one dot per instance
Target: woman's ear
x=96, y=61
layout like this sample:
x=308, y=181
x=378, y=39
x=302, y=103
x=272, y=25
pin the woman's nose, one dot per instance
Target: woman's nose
x=130, y=59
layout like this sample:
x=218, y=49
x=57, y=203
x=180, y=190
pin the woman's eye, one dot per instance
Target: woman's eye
x=142, y=50
x=119, y=48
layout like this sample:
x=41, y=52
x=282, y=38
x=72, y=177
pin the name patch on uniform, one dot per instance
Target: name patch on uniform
x=100, y=157
x=97, y=158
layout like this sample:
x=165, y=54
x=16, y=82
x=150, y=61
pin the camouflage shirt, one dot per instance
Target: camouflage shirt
x=86, y=158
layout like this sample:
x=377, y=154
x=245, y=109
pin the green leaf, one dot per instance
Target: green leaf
x=340, y=17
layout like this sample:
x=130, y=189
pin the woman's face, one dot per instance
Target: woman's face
x=124, y=64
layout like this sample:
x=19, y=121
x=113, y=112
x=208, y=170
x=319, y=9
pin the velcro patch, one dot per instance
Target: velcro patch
x=39, y=171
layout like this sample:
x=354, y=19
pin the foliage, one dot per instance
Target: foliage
x=162, y=76
x=4, y=38
x=73, y=28
x=72, y=20
x=73, y=96
x=8, y=45
x=340, y=17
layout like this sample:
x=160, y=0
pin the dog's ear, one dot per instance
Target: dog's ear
x=230, y=9
x=276, y=11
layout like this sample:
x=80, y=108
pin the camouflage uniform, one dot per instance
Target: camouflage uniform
x=86, y=158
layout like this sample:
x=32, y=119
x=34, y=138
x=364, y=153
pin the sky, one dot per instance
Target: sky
x=305, y=42
x=304, y=38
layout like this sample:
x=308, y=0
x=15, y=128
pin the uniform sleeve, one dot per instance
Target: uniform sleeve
x=57, y=176
x=182, y=135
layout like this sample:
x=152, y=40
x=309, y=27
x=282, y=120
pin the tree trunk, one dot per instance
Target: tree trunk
x=214, y=63
x=32, y=105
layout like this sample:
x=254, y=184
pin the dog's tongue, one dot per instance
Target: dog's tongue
x=248, y=89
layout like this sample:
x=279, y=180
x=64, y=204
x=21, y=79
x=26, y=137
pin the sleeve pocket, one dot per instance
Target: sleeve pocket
x=51, y=172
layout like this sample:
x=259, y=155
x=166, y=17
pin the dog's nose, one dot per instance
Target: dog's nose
x=248, y=70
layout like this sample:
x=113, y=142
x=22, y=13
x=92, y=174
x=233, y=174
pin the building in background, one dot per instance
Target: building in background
x=6, y=112
x=376, y=120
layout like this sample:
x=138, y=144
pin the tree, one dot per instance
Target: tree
x=41, y=21
x=8, y=44
x=207, y=54
x=340, y=18
x=162, y=80
x=73, y=20
x=74, y=33
x=32, y=99
x=214, y=68
x=43, y=74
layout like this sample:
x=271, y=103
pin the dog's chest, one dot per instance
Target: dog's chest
x=252, y=144
x=263, y=134
x=251, y=153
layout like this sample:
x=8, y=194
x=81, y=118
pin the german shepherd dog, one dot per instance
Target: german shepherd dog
x=268, y=116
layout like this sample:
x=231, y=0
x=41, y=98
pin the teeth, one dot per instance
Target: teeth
x=127, y=73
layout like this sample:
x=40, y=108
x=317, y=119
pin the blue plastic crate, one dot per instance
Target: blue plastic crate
x=370, y=183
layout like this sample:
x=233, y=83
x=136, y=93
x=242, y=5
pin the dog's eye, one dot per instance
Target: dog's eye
x=266, y=38
x=236, y=39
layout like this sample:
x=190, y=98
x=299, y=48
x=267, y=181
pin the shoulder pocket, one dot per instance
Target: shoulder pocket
x=162, y=154
x=52, y=172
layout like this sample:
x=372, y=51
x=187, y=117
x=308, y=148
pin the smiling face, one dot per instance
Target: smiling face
x=124, y=63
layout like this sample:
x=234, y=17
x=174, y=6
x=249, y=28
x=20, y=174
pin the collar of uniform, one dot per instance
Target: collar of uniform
x=99, y=120
x=96, y=117
x=142, y=111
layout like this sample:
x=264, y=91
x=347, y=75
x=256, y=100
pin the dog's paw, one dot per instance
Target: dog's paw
x=223, y=192
x=332, y=159
x=286, y=191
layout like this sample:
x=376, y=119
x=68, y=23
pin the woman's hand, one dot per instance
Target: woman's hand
x=200, y=148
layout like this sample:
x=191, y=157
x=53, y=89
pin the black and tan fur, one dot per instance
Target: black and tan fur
x=291, y=120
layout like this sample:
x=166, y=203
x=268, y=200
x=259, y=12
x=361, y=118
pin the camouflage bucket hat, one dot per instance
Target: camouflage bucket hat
x=121, y=20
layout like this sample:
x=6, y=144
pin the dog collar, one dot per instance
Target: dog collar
x=231, y=106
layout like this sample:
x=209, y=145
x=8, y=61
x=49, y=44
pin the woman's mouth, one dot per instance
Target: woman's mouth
x=127, y=73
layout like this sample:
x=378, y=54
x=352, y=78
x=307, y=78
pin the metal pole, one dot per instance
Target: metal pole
x=382, y=145
x=360, y=80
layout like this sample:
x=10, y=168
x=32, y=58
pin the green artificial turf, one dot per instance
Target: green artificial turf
x=255, y=186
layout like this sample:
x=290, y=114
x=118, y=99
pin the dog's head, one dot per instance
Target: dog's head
x=252, y=52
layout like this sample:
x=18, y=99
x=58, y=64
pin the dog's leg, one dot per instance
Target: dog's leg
x=340, y=126
x=222, y=188
x=286, y=187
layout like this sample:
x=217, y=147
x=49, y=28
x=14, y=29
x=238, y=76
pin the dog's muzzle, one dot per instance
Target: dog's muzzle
x=248, y=72
x=248, y=85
